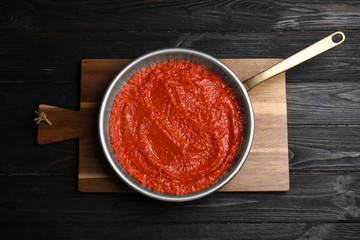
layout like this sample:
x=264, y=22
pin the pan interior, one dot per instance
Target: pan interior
x=165, y=55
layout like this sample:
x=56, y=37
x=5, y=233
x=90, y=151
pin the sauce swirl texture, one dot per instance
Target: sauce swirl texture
x=176, y=127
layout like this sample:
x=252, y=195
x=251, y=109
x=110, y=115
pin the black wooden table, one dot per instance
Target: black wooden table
x=41, y=46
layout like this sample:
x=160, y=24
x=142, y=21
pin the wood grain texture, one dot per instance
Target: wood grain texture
x=41, y=47
x=266, y=168
x=323, y=148
x=313, y=198
x=276, y=231
x=61, y=53
x=89, y=16
x=67, y=124
x=314, y=103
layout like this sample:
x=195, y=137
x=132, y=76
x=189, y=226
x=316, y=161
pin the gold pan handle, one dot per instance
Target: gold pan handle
x=309, y=52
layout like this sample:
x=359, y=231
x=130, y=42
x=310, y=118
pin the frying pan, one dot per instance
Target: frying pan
x=240, y=89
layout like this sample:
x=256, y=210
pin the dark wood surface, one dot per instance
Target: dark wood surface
x=41, y=47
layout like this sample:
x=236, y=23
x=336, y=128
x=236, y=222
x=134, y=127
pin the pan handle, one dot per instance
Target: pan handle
x=309, y=52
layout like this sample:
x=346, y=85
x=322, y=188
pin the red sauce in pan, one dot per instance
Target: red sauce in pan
x=176, y=127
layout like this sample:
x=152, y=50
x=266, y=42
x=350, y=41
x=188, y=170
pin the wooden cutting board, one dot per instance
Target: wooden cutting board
x=266, y=168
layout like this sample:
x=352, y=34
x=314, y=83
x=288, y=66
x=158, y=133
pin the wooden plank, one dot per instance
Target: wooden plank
x=319, y=148
x=88, y=16
x=249, y=231
x=313, y=198
x=12, y=95
x=337, y=64
x=314, y=103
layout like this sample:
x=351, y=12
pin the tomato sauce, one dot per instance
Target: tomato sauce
x=176, y=127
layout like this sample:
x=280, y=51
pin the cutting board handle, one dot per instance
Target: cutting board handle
x=65, y=124
x=68, y=124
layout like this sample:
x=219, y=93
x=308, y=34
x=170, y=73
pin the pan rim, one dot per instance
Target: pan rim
x=143, y=189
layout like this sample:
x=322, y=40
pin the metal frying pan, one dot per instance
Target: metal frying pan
x=240, y=90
